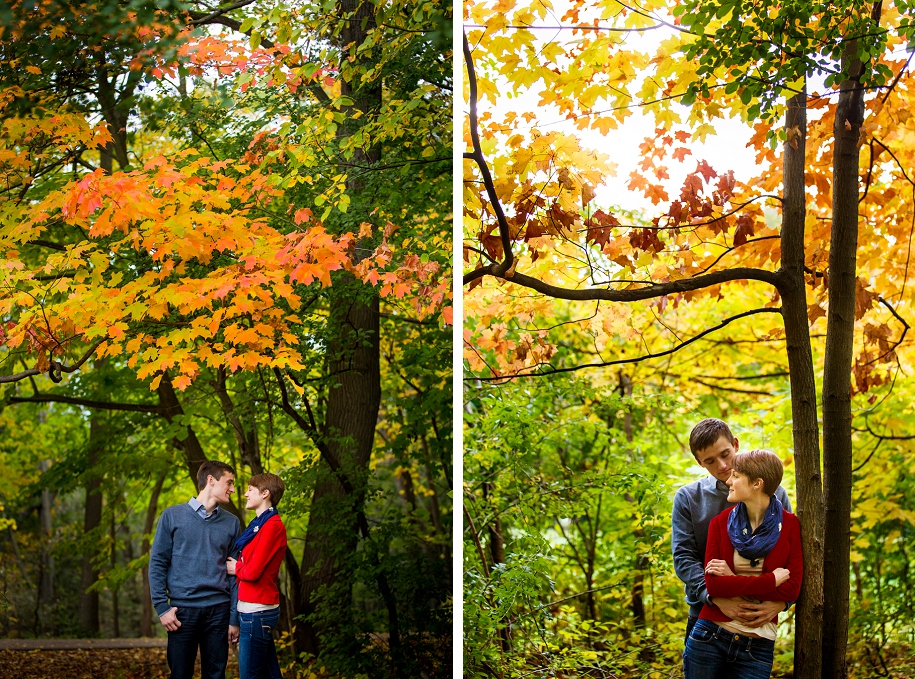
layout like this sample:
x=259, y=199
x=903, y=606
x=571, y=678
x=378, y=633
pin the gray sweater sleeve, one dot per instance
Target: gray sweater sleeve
x=233, y=581
x=160, y=558
x=783, y=498
x=688, y=562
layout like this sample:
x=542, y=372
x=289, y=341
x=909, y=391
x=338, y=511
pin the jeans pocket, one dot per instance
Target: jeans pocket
x=764, y=654
x=701, y=633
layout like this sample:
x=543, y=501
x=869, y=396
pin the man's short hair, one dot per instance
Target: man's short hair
x=706, y=433
x=270, y=482
x=760, y=464
x=214, y=469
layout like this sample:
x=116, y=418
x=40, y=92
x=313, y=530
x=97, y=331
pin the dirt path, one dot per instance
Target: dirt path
x=77, y=644
x=91, y=661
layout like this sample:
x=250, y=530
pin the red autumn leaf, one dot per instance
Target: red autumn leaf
x=864, y=298
x=726, y=183
x=600, y=227
x=706, y=170
x=676, y=211
x=492, y=243
x=647, y=240
x=746, y=225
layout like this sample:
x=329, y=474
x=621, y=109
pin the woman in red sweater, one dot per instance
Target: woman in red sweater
x=262, y=548
x=753, y=551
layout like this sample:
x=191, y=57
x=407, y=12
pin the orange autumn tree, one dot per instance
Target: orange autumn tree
x=534, y=220
x=267, y=229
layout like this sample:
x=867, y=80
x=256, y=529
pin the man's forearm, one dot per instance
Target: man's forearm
x=157, y=590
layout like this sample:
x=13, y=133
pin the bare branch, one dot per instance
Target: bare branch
x=88, y=403
x=507, y=254
x=622, y=361
x=650, y=292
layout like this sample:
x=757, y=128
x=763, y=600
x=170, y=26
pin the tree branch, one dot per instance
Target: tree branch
x=650, y=292
x=54, y=371
x=508, y=257
x=88, y=403
x=622, y=361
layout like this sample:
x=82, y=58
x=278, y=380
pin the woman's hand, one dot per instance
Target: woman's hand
x=718, y=567
x=230, y=566
x=781, y=575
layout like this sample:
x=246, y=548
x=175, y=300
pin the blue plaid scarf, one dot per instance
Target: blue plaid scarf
x=754, y=545
x=253, y=527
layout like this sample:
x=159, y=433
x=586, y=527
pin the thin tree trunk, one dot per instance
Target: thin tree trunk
x=809, y=615
x=840, y=335
x=18, y=557
x=46, y=586
x=190, y=444
x=245, y=436
x=146, y=619
x=115, y=608
x=434, y=511
x=637, y=595
x=92, y=518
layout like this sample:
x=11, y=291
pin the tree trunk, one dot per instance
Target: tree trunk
x=637, y=595
x=92, y=518
x=840, y=335
x=46, y=583
x=115, y=607
x=352, y=411
x=146, y=619
x=809, y=615
x=245, y=432
x=354, y=395
x=190, y=444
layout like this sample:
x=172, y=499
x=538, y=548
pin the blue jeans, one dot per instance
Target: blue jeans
x=206, y=628
x=713, y=652
x=256, y=650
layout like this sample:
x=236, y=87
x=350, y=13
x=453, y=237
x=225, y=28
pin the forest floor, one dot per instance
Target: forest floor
x=119, y=663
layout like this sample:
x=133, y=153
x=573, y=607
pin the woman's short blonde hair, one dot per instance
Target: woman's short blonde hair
x=760, y=464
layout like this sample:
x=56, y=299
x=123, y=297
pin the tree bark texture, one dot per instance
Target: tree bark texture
x=809, y=614
x=92, y=518
x=352, y=411
x=46, y=583
x=840, y=335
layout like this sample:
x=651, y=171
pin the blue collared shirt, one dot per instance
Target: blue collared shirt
x=198, y=507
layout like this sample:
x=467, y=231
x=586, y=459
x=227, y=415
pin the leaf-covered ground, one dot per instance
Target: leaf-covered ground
x=133, y=663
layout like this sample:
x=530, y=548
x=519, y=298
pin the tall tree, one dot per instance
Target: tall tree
x=771, y=52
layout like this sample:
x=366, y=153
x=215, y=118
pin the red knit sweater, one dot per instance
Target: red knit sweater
x=786, y=554
x=259, y=564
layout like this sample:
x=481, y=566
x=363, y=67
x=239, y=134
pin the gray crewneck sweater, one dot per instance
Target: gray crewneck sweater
x=695, y=505
x=187, y=562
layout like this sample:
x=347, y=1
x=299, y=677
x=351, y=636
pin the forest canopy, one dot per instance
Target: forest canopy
x=225, y=234
x=777, y=296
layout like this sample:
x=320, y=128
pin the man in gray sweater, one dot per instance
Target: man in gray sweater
x=190, y=588
x=695, y=505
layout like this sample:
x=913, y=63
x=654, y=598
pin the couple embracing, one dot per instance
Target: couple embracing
x=737, y=548
x=213, y=584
